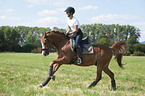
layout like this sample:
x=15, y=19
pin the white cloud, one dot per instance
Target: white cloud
x=37, y=1
x=140, y=24
x=113, y=18
x=48, y=2
x=6, y=10
x=89, y=7
x=9, y=10
x=143, y=32
x=14, y=18
x=48, y=20
x=47, y=12
x=58, y=3
x=2, y=17
x=51, y=12
x=61, y=9
x=30, y=6
x=9, y=18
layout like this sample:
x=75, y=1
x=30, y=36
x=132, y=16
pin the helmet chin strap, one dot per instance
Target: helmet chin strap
x=69, y=15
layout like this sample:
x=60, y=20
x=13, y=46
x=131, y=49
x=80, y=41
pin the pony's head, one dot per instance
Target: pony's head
x=46, y=44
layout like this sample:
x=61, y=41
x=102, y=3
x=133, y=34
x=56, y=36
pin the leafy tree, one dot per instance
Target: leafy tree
x=2, y=40
x=29, y=38
x=24, y=38
x=37, y=42
x=59, y=29
x=103, y=39
x=139, y=47
x=9, y=38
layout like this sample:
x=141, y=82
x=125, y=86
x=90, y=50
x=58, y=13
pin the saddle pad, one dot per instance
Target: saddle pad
x=87, y=48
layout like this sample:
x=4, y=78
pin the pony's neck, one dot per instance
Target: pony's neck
x=59, y=41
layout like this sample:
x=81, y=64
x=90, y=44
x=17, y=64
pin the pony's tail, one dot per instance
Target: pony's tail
x=118, y=49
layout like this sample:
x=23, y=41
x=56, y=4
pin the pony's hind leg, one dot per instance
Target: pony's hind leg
x=99, y=77
x=111, y=75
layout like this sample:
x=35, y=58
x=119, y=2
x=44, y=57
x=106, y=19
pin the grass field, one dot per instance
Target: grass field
x=20, y=73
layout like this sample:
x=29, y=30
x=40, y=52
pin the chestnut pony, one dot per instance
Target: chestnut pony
x=101, y=56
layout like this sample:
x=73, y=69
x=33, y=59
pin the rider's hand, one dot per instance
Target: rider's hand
x=66, y=34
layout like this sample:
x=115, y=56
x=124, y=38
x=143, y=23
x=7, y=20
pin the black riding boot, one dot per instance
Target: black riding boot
x=75, y=57
x=79, y=54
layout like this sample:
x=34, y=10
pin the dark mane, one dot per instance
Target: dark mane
x=60, y=33
x=55, y=31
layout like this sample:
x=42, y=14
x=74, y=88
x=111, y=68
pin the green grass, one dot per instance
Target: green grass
x=20, y=74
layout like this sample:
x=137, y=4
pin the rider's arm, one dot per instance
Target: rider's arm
x=76, y=29
x=68, y=30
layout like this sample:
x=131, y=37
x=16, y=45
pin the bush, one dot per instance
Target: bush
x=37, y=50
x=27, y=48
x=138, y=53
x=127, y=53
x=34, y=51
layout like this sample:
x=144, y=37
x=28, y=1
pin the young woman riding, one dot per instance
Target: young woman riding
x=74, y=25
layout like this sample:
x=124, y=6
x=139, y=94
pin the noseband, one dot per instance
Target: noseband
x=48, y=49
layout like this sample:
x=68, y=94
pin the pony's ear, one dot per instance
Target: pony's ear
x=41, y=34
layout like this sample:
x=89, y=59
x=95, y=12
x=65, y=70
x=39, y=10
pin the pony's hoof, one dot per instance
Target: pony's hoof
x=40, y=86
x=93, y=84
x=113, y=88
x=113, y=85
x=89, y=87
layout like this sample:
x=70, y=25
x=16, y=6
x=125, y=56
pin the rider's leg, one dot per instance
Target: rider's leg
x=78, y=47
x=74, y=51
x=79, y=54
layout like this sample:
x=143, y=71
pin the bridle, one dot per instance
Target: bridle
x=48, y=49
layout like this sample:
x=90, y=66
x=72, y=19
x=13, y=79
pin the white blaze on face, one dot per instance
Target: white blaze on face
x=42, y=48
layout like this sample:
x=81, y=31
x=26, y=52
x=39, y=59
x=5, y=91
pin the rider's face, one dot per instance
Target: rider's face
x=68, y=14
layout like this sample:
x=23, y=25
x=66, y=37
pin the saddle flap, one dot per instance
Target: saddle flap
x=85, y=40
x=86, y=45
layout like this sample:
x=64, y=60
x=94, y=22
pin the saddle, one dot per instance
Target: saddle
x=85, y=44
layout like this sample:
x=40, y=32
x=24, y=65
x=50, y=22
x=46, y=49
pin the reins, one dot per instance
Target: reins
x=51, y=43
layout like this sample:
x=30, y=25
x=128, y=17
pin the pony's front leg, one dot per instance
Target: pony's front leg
x=51, y=70
x=53, y=67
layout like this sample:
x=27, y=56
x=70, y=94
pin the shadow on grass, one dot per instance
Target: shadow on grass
x=129, y=88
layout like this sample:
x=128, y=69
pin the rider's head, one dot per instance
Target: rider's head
x=70, y=11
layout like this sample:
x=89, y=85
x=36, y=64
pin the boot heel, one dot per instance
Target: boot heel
x=80, y=61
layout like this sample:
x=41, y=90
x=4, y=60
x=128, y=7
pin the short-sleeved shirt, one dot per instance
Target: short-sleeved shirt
x=72, y=22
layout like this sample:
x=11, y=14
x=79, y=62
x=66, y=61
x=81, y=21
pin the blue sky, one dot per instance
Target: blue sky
x=50, y=13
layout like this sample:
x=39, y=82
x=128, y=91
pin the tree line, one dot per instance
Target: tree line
x=26, y=39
